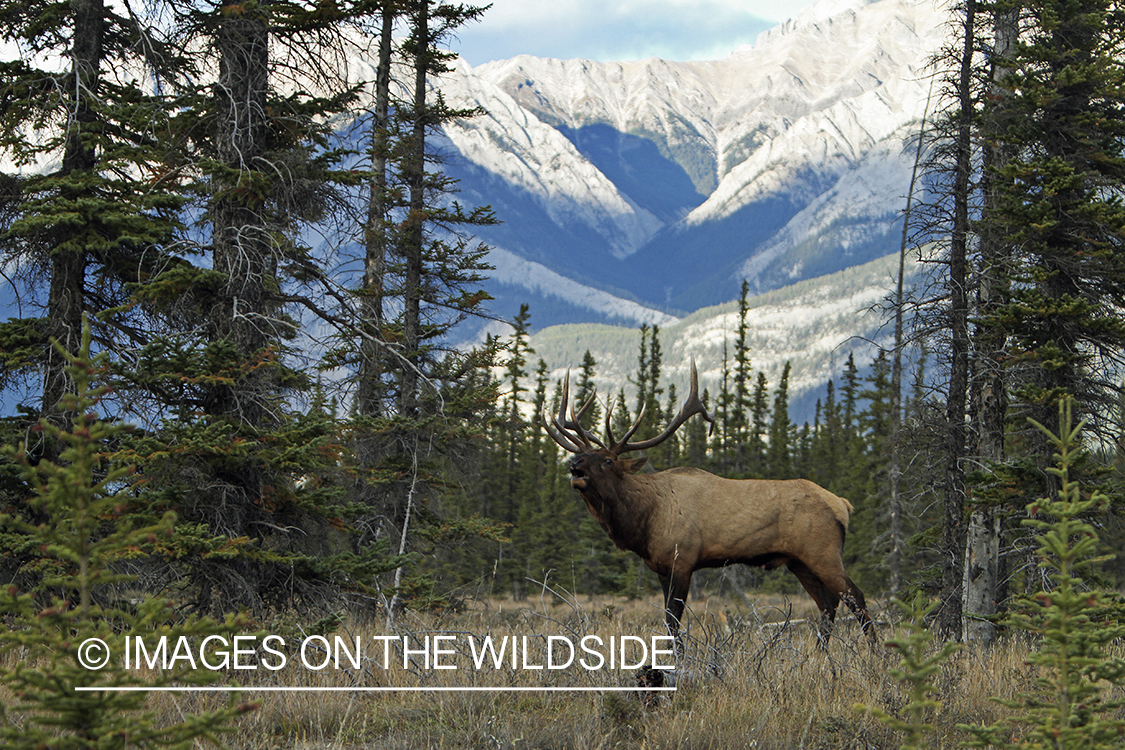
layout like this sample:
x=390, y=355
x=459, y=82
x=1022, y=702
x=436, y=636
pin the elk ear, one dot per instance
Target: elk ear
x=632, y=465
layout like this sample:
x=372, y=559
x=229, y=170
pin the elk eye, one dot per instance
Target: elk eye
x=607, y=462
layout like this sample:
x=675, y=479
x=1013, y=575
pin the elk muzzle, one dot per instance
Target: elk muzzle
x=578, y=474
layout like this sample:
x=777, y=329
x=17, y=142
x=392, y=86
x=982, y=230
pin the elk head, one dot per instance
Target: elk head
x=595, y=460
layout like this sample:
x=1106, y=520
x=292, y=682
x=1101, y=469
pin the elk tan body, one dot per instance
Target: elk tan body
x=696, y=519
x=681, y=520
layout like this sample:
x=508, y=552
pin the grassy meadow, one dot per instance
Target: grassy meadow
x=750, y=677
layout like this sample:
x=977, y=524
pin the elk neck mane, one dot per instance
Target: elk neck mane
x=625, y=509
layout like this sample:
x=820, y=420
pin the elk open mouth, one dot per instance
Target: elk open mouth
x=577, y=479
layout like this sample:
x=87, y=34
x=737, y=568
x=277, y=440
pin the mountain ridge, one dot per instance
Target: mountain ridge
x=663, y=184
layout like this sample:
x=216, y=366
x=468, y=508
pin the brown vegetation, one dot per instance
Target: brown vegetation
x=750, y=678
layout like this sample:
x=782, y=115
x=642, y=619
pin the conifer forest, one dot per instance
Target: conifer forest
x=231, y=392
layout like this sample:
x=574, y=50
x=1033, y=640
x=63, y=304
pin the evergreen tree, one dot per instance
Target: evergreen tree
x=371, y=397
x=1057, y=204
x=518, y=501
x=1076, y=625
x=759, y=414
x=592, y=419
x=621, y=420
x=127, y=169
x=868, y=479
x=742, y=440
x=876, y=419
x=779, y=455
x=667, y=454
x=643, y=369
x=802, y=451
x=695, y=438
x=433, y=271
x=828, y=441
x=647, y=381
x=98, y=215
x=516, y=427
x=537, y=447
x=73, y=617
x=655, y=362
x=257, y=159
x=721, y=439
x=850, y=393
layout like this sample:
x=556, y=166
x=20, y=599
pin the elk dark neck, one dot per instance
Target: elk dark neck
x=624, y=512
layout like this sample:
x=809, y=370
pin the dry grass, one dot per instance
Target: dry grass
x=743, y=683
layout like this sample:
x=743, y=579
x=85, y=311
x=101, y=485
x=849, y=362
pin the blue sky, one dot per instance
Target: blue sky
x=619, y=29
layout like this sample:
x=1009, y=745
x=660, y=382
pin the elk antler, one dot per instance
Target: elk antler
x=571, y=435
x=692, y=406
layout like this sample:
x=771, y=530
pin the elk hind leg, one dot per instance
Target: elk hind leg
x=856, y=602
x=844, y=588
x=826, y=600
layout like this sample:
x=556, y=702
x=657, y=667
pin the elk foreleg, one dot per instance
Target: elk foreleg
x=675, y=587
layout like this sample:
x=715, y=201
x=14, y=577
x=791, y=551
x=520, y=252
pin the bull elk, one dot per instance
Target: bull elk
x=681, y=520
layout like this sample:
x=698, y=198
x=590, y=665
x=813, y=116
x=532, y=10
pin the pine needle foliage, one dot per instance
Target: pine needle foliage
x=918, y=668
x=47, y=631
x=1075, y=625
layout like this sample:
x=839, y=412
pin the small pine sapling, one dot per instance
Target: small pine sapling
x=53, y=636
x=1071, y=707
x=917, y=668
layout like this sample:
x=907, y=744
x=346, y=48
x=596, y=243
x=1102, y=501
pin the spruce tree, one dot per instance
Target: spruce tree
x=60, y=631
x=220, y=379
x=667, y=454
x=585, y=384
x=423, y=273
x=515, y=426
x=779, y=455
x=867, y=477
x=695, y=438
x=90, y=206
x=721, y=448
x=828, y=441
x=759, y=416
x=1075, y=624
x=518, y=503
x=1057, y=205
x=744, y=444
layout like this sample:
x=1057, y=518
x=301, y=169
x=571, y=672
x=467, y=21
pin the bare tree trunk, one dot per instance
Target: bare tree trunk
x=369, y=396
x=989, y=402
x=68, y=264
x=396, y=600
x=982, y=555
x=953, y=532
x=241, y=238
x=415, y=170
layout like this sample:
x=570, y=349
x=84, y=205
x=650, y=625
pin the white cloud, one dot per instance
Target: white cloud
x=622, y=30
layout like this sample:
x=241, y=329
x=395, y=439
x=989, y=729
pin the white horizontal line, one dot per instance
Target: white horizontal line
x=313, y=689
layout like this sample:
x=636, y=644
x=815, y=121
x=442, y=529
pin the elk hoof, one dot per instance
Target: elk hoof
x=649, y=677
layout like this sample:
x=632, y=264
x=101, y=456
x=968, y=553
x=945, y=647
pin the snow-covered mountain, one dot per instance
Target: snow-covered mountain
x=643, y=191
